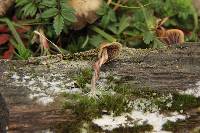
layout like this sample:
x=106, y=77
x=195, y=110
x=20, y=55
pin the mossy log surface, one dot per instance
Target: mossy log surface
x=168, y=69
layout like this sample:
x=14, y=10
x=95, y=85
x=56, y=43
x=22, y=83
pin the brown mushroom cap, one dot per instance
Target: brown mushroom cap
x=113, y=50
x=85, y=11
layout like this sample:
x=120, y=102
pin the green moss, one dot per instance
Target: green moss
x=166, y=101
x=88, y=108
x=134, y=91
x=83, y=78
x=122, y=89
x=120, y=98
x=78, y=126
x=116, y=104
x=134, y=129
x=180, y=102
x=184, y=102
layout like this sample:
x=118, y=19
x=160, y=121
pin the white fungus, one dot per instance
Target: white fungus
x=44, y=89
x=193, y=91
x=157, y=120
x=15, y=76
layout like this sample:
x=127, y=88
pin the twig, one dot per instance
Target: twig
x=129, y=7
x=38, y=33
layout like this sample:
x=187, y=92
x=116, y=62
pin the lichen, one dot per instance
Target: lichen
x=44, y=88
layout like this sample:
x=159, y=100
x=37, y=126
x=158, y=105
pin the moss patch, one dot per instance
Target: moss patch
x=88, y=108
x=83, y=78
x=134, y=129
x=166, y=101
x=184, y=102
x=120, y=99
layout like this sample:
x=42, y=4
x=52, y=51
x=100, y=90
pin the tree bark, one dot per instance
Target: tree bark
x=4, y=115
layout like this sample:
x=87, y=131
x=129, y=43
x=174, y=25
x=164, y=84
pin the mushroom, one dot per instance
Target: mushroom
x=107, y=52
x=168, y=36
x=85, y=11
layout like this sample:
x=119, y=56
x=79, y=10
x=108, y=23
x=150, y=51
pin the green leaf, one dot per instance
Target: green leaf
x=21, y=2
x=69, y=14
x=48, y=3
x=33, y=11
x=95, y=40
x=58, y=24
x=103, y=10
x=157, y=43
x=113, y=28
x=103, y=34
x=108, y=17
x=148, y=37
x=22, y=52
x=18, y=43
x=26, y=8
x=105, y=21
x=49, y=13
x=30, y=10
x=112, y=15
x=123, y=24
x=64, y=2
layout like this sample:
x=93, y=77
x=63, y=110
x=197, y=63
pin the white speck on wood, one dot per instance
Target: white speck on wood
x=193, y=91
x=157, y=120
x=44, y=89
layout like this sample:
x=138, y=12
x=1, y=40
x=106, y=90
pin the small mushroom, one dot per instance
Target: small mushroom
x=107, y=52
x=168, y=36
x=113, y=50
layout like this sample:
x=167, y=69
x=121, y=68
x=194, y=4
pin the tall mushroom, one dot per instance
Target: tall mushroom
x=107, y=52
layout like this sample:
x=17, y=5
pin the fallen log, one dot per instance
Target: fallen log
x=31, y=87
x=4, y=115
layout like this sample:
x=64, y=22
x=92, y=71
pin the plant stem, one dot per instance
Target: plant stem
x=128, y=7
x=104, y=34
x=13, y=30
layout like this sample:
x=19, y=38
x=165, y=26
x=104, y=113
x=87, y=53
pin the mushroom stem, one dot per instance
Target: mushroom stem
x=107, y=52
x=93, y=84
x=97, y=65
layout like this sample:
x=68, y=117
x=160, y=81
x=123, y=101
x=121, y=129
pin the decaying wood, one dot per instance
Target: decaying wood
x=167, y=69
x=5, y=5
x=4, y=115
